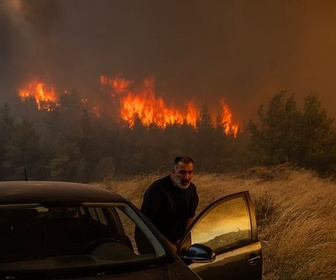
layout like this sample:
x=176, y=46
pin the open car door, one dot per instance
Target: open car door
x=228, y=226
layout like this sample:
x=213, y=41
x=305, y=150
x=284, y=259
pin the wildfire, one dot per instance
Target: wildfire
x=226, y=120
x=44, y=96
x=134, y=104
x=143, y=104
x=118, y=84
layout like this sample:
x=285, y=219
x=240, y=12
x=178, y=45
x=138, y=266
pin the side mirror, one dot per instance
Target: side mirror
x=198, y=253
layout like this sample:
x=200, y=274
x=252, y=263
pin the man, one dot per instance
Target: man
x=171, y=202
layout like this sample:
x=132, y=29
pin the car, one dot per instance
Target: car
x=65, y=230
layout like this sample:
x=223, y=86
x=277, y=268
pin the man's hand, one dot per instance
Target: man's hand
x=172, y=246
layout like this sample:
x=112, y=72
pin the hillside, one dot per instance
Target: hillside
x=296, y=215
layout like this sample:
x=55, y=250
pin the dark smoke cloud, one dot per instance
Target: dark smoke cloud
x=243, y=51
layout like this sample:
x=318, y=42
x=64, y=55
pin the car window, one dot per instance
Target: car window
x=225, y=226
x=129, y=227
x=93, y=213
x=97, y=214
x=228, y=226
x=89, y=234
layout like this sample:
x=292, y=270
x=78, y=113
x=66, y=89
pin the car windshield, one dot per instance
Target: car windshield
x=50, y=237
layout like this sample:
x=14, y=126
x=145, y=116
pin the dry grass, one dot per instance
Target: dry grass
x=296, y=215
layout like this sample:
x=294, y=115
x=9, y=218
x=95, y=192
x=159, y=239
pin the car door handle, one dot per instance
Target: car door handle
x=253, y=259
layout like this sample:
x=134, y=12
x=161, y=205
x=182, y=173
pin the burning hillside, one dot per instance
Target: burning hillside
x=45, y=96
x=140, y=103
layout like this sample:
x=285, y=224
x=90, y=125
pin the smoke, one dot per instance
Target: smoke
x=243, y=51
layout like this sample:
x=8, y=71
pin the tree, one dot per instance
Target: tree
x=204, y=122
x=286, y=134
x=204, y=140
x=6, y=133
x=318, y=138
x=274, y=141
x=79, y=152
x=22, y=153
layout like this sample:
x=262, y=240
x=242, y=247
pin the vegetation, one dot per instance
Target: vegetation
x=70, y=142
x=295, y=207
x=286, y=134
x=296, y=212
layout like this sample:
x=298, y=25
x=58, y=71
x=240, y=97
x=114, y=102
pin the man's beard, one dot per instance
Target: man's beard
x=182, y=184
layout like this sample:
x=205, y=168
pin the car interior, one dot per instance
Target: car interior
x=45, y=232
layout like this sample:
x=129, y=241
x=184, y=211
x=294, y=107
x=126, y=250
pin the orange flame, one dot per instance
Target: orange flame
x=226, y=120
x=149, y=109
x=45, y=97
x=191, y=117
x=142, y=104
x=118, y=84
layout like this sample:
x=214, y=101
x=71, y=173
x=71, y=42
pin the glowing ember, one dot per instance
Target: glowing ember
x=44, y=96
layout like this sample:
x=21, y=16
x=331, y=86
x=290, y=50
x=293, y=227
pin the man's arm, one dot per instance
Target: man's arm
x=171, y=245
x=188, y=223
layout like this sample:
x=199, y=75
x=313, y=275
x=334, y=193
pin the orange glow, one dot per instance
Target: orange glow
x=191, y=114
x=118, y=84
x=148, y=108
x=134, y=104
x=226, y=120
x=44, y=96
x=143, y=104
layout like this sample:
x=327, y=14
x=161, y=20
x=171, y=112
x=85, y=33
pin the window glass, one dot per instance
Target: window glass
x=93, y=213
x=143, y=241
x=88, y=234
x=101, y=216
x=226, y=225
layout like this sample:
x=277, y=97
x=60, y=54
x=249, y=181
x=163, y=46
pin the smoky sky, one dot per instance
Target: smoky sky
x=240, y=50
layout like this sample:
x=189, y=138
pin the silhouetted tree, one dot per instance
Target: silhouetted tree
x=285, y=134
x=22, y=153
x=317, y=142
x=204, y=140
x=6, y=134
x=64, y=165
x=274, y=141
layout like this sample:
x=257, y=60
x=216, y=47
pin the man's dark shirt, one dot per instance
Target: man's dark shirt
x=169, y=207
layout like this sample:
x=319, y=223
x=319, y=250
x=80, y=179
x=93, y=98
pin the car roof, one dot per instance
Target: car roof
x=12, y=192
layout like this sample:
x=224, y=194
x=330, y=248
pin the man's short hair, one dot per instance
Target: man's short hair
x=184, y=159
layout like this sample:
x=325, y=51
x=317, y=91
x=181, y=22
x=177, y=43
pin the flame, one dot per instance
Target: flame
x=226, y=120
x=44, y=96
x=143, y=104
x=118, y=84
x=134, y=104
x=148, y=108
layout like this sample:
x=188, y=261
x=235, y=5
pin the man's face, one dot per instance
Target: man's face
x=182, y=174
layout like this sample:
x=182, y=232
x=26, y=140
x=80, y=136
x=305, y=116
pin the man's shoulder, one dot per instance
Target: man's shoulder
x=193, y=186
x=161, y=183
